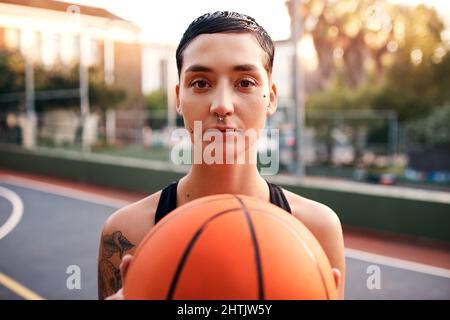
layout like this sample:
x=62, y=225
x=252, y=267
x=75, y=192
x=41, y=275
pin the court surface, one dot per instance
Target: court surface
x=47, y=231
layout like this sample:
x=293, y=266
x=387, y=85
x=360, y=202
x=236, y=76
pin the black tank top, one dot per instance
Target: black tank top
x=168, y=199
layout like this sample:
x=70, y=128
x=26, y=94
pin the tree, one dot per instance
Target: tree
x=102, y=95
x=360, y=39
x=56, y=77
x=156, y=103
x=12, y=70
x=12, y=82
x=433, y=129
x=156, y=100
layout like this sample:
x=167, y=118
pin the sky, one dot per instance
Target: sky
x=165, y=21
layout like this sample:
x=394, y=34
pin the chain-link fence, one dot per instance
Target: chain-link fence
x=359, y=145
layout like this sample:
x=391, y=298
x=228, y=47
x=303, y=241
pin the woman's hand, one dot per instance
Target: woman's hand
x=124, y=265
x=337, y=278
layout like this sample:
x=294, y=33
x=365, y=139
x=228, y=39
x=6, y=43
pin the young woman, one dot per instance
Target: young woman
x=224, y=62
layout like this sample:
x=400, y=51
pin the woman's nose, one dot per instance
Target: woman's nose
x=222, y=103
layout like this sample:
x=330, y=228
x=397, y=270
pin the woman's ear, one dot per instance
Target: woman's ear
x=177, y=94
x=272, y=103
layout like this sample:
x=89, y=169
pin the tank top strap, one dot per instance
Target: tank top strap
x=167, y=201
x=278, y=198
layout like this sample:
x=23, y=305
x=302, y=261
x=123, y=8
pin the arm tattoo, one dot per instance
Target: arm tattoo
x=109, y=279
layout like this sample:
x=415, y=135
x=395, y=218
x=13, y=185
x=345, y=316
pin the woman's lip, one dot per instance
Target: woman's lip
x=223, y=129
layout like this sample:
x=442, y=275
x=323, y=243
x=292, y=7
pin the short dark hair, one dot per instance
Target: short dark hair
x=226, y=22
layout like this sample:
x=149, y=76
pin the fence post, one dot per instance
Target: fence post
x=111, y=126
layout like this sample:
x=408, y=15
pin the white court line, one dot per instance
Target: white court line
x=64, y=191
x=16, y=214
x=112, y=202
x=397, y=263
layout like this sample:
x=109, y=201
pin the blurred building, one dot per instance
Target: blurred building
x=159, y=72
x=55, y=32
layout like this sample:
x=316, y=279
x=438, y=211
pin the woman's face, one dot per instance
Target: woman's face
x=223, y=75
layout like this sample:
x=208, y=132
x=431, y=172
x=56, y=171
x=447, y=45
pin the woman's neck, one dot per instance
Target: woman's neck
x=203, y=180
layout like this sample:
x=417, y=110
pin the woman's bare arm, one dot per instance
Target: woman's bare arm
x=113, y=246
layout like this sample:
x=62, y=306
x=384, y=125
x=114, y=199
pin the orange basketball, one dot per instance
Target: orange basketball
x=229, y=247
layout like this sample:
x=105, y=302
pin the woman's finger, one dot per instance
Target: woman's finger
x=124, y=265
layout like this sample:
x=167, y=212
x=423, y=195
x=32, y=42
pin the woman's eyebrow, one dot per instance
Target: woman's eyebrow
x=245, y=67
x=240, y=67
x=198, y=68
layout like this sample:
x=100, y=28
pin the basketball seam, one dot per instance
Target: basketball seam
x=165, y=220
x=304, y=245
x=256, y=249
x=188, y=250
x=254, y=239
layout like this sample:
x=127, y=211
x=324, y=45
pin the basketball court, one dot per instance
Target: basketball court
x=49, y=226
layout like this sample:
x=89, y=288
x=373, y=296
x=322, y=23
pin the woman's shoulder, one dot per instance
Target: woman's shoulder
x=134, y=220
x=325, y=225
x=316, y=216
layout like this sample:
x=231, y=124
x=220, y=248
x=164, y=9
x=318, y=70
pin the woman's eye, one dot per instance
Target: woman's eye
x=246, y=83
x=200, y=84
